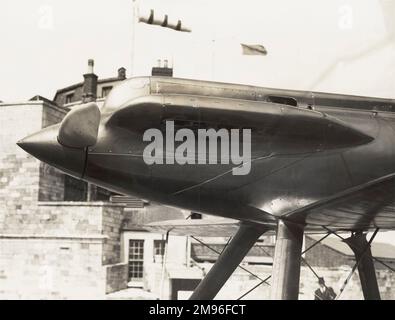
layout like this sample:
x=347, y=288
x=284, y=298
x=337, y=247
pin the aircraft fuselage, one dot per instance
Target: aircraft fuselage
x=305, y=147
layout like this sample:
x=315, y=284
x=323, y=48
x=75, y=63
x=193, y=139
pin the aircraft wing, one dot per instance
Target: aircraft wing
x=364, y=207
x=213, y=227
x=367, y=206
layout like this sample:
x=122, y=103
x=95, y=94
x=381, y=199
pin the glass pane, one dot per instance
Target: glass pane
x=136, y=262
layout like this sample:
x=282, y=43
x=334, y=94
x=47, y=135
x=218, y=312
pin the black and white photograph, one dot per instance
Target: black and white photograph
x=160, y=150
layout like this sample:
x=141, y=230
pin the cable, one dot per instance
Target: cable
x=315, y=243
x=333, y=232
x=374, y=258
x=304, y=260
x=217, y=252
x=256, y=286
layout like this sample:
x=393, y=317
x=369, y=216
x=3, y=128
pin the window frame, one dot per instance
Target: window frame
x=105, y=91
x=69, y=98
x=136, y=260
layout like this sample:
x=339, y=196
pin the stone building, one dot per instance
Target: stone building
x=61, y=237
x=48, y=246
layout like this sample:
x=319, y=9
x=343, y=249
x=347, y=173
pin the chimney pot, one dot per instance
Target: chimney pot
x=91, y=64
x=166, y=63
x=122, y=73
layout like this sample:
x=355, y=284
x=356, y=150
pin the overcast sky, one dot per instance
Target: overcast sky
x=345, y=46
x=339, y=46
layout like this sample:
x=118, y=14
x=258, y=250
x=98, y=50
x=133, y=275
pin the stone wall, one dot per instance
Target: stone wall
x=112, y=222
x=50, y=249
x=51, y=186
x=116, y=277
x=19, y=172
x=51, y=268
x=66, y=239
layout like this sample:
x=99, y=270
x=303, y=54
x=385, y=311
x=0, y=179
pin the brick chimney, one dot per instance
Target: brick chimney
x=164, y=71
x=122, y=73
x=90, y=83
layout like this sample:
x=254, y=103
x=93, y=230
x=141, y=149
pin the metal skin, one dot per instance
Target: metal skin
x=286, y=263
x=44, y=146
x=299, y=156
x=317, y=159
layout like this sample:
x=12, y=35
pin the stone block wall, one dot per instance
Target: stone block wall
x=66, y=238
x=19, y=172
x=112, y=222
x=50, y=249
x=51, y=268
x=116, y=277
x=51, y=186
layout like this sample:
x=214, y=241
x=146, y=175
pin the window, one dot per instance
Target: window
x=106, y=91
x=69, y=98
x=159, y=250
x=159, y=247
x=196, y=216
x=74, y=189
x=102, y=195
x=283, y=100
x=136, y=260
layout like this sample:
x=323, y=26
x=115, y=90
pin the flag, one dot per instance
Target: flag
x=253, y=49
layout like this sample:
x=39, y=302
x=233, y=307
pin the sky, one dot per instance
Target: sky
x=336, y=46
x=344, y=46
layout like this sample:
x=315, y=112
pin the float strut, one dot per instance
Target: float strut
x=366, y=270
x=227, y=262
x=286, y=264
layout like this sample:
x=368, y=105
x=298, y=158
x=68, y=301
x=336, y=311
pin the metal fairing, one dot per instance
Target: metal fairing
x=327, y=161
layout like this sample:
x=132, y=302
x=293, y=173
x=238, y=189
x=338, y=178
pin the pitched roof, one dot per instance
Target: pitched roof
x=80, y=85
x=41, y=98
x=379, y=249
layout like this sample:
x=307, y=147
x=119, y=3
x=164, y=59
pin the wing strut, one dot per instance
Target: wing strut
x=227, y=262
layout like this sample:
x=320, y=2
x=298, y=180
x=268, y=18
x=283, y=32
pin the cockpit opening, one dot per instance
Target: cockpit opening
x=282, y=100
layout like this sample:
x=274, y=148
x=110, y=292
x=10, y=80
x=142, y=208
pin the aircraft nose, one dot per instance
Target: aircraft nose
x=44, y=146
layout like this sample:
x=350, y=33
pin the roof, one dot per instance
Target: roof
x=41, y=98
x=379, y=249
x=80, y=84
x=114, y=79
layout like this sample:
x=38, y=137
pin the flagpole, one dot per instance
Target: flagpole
x=134, y=26
x=212, y=58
